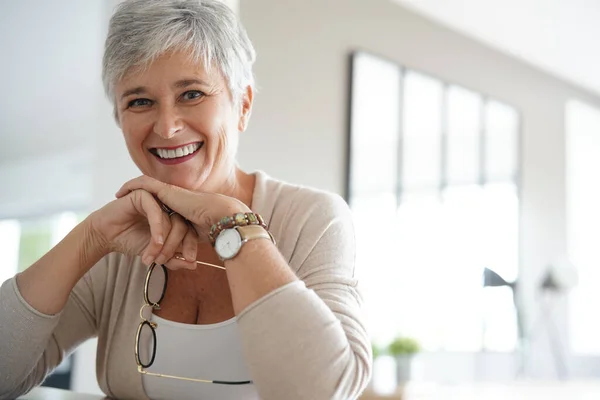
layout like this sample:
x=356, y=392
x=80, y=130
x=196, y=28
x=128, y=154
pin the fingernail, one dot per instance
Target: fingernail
x=160, y=259
x=160, y=239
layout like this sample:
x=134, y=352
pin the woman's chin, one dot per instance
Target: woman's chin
x=183, y=182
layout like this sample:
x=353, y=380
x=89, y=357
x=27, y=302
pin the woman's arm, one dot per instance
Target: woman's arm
x=306, y=339
x=49, y=309
x=42, y=318
x=257, y=270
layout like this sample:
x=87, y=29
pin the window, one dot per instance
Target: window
x=24, y=241
x=433, y=185
x=583, y=222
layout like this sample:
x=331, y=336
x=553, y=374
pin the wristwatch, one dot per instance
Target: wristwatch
x=230, y=241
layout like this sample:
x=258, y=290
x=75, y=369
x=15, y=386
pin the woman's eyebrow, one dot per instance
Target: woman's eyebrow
x=137, y=91
x=188, y=82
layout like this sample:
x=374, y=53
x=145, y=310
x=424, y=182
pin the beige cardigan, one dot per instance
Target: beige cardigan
x=305, y=340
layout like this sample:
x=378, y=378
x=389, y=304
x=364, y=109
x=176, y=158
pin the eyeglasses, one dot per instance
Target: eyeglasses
x=145, y=361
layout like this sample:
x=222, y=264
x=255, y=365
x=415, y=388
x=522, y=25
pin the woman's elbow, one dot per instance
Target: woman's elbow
x=351, y=379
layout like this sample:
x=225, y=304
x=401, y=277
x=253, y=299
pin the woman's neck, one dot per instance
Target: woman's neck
x=239, y=185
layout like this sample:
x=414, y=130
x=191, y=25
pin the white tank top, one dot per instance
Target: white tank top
x=211, y=352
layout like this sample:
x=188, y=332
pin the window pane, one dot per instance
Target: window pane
x=63, y=224
x=29, y=239
x=464, y=127
x=500, y=331
x=499, y=243
x=374, y=125
x=501, y=141
x=375, y=251
x=500, y=219
x=10, y=232
x=477, y=238
x=421, y=163
x=433, y=266
x=583, y=222
x=36, y=240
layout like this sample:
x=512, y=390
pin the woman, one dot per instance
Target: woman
x=200, y=280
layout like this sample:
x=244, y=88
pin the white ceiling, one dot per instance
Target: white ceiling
x=559, y=36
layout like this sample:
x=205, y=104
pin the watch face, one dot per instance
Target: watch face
x=228, y=243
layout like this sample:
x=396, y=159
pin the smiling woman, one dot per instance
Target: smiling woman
x=279, y=316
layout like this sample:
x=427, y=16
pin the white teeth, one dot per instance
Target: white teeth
x=179, y=152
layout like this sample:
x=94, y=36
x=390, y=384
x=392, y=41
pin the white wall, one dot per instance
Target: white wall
x=50, y=73
x=298, y=129
x=38, y=186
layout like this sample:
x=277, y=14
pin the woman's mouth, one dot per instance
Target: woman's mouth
x=176, y=155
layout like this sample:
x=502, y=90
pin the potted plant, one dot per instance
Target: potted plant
x=403, y=350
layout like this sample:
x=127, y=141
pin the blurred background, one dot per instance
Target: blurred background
x=464, y=134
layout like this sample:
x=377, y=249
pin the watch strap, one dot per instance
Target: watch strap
x=251, y=232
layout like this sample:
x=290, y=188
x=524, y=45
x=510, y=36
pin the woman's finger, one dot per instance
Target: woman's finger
x=160, y=226
x=177, y=263
x=190, y=245
x=179, y=230
x=141, y=182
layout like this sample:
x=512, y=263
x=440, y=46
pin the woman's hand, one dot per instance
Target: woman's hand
x=200, y=209
x=136, y=225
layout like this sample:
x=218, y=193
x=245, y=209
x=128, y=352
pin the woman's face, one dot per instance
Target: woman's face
x=180, y=122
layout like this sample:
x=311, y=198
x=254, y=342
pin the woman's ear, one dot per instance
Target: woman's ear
x=245, y=108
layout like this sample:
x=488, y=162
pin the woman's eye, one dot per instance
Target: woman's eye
x=139, y=103
x=192, y=95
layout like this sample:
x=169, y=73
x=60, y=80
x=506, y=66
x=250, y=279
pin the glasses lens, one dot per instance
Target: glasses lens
x=157, y=284
x=146, y=345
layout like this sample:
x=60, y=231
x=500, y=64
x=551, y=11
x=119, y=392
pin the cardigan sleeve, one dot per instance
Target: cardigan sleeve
x=307, y=339
x=32, y=344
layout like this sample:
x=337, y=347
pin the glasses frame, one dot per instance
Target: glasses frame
x=153, y=325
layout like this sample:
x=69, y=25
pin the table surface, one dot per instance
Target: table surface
x=491, y=391
x=46, y=393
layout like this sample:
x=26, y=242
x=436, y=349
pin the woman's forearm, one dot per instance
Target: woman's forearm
x=256, y=271
x=46, y=285
x=303, y=344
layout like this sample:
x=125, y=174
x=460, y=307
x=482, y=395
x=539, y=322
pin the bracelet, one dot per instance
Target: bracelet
x=239, y=219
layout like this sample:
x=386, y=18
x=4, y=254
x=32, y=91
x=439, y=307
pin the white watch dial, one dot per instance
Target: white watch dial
x=228, y=243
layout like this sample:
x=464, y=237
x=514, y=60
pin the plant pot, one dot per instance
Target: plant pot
x=404, y=368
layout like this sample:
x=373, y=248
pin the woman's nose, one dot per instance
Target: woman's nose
x=168, y=123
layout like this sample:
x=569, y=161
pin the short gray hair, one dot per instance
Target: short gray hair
x=140, y=31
